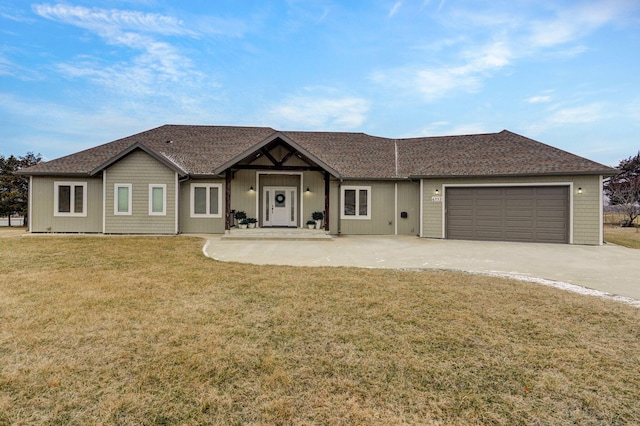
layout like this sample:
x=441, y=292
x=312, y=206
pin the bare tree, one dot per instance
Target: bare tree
x=623, y=189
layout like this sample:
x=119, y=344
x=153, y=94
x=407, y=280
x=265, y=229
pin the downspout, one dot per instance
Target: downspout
x=395, y=221
x=30, y=207
x=601, y=202
x=421, y=209
x=104, y=201
x=395, y=202
x=340, y=206
x=176, y=206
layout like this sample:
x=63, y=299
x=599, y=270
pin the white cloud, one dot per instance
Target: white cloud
x=394, y=8
x=445, y=128
x=110, y=22
x=326, y=113
x=574, y=22
x=581, y=114
x=158, y=63
x=560, y=116
x=435, y=82
x=538, y=99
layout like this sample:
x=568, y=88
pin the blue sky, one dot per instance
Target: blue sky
x=76, y=74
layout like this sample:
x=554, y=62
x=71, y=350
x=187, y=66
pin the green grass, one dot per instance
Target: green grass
x=135, y=330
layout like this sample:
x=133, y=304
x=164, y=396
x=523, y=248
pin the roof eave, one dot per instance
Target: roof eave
x=511, y=175
x=49, y=173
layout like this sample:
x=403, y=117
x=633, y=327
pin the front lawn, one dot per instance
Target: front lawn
x=628, y=237
x=137, y=330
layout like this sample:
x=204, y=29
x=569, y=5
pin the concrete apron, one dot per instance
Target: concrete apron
x=610, y=269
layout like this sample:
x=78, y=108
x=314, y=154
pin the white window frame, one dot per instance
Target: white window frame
x=357, y=215
x=117, y=186
x=56, y=200
x=192, y=199
x=162, y=186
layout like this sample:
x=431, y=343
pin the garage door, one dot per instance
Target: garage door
x=531, y=214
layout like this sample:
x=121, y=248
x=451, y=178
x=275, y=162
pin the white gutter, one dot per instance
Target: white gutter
x=104, y=201
x=30, y=207
x=395, y=203
x=421, y=209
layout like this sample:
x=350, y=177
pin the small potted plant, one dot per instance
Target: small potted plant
x=243, y=223
x=240, y=215
x=311, y=224
x=251, y=222
x=318, y=217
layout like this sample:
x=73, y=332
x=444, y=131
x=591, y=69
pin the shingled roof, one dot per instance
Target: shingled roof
x=201, y=150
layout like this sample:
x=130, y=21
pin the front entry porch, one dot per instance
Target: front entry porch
x=289, y=234
x=286, y=185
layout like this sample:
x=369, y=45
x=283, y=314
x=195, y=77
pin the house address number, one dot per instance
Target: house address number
x=436, y=198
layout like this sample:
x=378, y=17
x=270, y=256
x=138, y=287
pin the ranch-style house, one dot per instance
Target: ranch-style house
x=190, y=179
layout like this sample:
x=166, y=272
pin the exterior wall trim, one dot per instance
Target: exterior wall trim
x=506, y=184
x=30, y=209
x=177, y=204
x=601, y=202
x=104, y=201
x=421, y=230
x=395, y=205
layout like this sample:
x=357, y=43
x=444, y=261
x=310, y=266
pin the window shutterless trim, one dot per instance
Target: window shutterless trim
x=153, y=186
x=208, y=213
x=357, y=215
x=116, y=194
x=72, y=200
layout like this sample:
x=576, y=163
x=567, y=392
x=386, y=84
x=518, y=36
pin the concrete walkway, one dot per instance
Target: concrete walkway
x=609, y=268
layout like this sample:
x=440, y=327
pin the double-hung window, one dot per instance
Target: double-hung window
x=205, y=200
x=70, y=199
x=122, y=198
x=157, y=199
x=355, y=202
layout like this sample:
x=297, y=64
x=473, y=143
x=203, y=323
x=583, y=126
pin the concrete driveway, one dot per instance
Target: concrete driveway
x=604, y=269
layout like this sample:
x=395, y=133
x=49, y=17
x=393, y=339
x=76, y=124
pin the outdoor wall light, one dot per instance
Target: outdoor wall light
x=579, y=190
x=251, y=189
x=437, y=192
x=308, y=190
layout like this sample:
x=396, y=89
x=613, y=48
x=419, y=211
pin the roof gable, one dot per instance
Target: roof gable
x=139, y=146
x=297, y=148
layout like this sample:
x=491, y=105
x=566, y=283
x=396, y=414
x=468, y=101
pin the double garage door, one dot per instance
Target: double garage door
x=529, y=214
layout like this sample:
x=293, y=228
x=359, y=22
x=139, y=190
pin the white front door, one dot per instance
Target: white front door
x=280, y=207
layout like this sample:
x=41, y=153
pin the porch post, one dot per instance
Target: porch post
x=227, y=200
x=327, y=178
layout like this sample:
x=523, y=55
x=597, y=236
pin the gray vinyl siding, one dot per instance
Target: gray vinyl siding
x=241, y=198
x=409, y=202
x=139, y=169
x=42, y=198
x=244, y=199
x=200, y=225
x=585, y=211
x=314, y=199
x=382, y=211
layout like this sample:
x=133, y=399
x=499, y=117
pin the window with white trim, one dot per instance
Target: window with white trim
x=122, y=197
x=355, y=202
x=206, y=200
x=70, y=199
x=157, y=199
